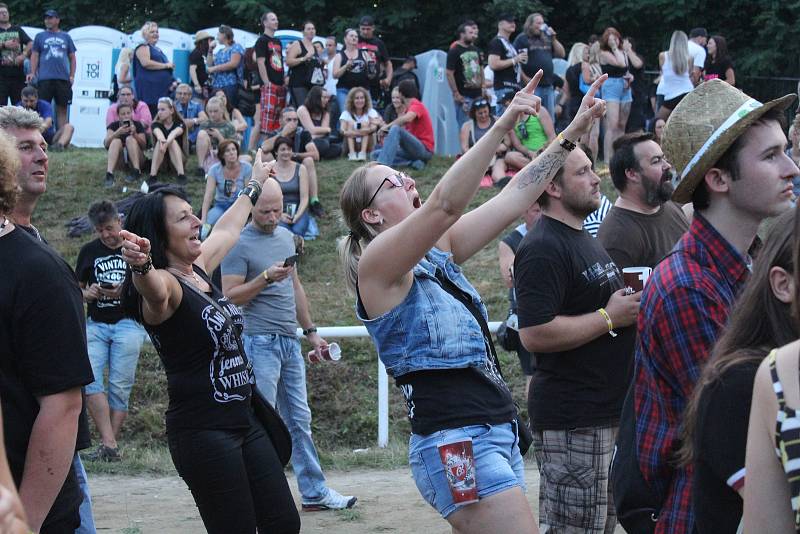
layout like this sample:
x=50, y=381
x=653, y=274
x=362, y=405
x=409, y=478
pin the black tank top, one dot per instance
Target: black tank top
x=300, y=75
x=613, y=71
x=355, y=77
x=208, y=379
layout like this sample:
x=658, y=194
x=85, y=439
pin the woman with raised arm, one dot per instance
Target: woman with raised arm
x=401, y=260
x=219, y=448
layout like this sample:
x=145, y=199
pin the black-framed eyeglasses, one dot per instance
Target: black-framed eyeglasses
x=396, y=180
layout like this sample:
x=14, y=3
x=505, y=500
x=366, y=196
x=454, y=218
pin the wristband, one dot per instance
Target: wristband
x=604, y=313
x=266, y=276
x=566, y=144
x=251, y=192
x=311, y=330
x=144, y=269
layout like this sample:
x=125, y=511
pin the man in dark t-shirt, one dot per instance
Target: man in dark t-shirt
x=574, y=314
x=114, y=340
x=269, y=58
x=644, y=224
x=15, y=45
x=464, y=70
x=542, y=45
x=505, y=61
x=43, y=356
x=379, y=66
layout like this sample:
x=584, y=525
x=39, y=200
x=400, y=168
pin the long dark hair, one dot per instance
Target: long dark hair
x=722, y=49
x=146, y=218
x=758, y=323
x=313, y=101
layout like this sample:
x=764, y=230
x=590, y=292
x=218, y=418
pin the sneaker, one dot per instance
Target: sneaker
x=332, y=501
x=352, y=156
x=104, y=454
x=417, y=164
x=317, y=210
x=361, y=156
x=134, y=176
x=182, y=180
x=109, y=181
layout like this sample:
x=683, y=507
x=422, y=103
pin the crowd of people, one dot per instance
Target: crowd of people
x=644, y=325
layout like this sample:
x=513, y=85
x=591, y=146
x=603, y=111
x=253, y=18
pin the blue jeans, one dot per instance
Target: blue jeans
x=300, y=226
x=500, y=94
x=462, y=110
x=401, y=148
x=217, y=211
x=280, y=372
x=548, y=96
x=87, y=518
x=341, y=98
x=115, y=346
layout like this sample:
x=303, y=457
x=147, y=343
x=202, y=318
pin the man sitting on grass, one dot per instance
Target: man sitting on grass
x=125, y=142
x=57, y=139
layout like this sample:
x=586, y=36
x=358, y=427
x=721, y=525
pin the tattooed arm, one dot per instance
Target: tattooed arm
x=477, y=228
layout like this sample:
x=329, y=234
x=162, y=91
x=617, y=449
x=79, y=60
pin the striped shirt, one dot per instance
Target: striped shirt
x=592, y=223
x=787, y=440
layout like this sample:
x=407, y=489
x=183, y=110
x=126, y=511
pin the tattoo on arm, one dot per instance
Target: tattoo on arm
x=542, y=168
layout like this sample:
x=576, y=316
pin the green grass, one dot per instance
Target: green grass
x=342, y=396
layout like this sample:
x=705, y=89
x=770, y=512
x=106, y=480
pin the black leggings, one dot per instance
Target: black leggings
x=327, y=148
x=236, y=480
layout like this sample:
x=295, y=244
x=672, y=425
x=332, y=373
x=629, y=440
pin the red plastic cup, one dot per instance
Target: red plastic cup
x=331, y=353
x=459, y=466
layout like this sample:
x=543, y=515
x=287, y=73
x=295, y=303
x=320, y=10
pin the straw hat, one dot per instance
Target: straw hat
x=704, y=125
x=202, y=35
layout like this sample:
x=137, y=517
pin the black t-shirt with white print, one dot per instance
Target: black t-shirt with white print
x=559, y=270
x=209, y=381
x=505, y=78
x=99, y=264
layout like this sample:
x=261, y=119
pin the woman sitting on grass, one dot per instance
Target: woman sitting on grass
x=169, y=140
x=359, y=122
x=212, y=132
x=293, y=178
x=223, y=182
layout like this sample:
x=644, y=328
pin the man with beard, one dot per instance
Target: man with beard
x=540, y=41
x=379, y=65
x=643, y=225
x=464, y=71
x=575, y=316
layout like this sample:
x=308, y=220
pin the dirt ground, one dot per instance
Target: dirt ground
x=388, y=502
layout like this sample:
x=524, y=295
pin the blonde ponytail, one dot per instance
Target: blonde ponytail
x=352, y=200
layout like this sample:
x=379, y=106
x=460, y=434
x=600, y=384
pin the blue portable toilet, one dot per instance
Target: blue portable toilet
x=438, y=99
x=97, y=48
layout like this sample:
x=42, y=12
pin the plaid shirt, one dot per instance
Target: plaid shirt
x=684, y=305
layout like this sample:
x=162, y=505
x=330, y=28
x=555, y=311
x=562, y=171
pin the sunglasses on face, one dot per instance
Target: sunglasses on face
x=395, y=180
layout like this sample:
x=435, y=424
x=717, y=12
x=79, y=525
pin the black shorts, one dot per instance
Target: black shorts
x=61, y=90
x=526, y=362
x=672, y=102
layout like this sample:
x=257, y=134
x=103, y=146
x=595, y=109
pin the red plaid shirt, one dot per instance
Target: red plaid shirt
x=684, y=305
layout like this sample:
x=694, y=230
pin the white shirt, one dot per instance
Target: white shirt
x=698, y=54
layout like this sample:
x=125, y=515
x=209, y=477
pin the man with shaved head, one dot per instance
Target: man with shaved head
x=259, y=275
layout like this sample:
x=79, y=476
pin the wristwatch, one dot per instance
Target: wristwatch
x=565, y=143
x=311, y=330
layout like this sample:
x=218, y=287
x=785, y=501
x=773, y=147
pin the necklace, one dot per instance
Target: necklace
x=193, y=278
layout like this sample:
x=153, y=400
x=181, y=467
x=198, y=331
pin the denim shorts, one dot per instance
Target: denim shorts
x=498, y=463
x=614, y=91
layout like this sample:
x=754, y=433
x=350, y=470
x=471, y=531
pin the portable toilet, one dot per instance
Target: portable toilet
x=243, y=37
x=97, y=49
x=31, y=32
x=175, y=44
x=438, y=99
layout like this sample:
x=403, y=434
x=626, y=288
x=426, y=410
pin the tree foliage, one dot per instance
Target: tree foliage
x=763, y=35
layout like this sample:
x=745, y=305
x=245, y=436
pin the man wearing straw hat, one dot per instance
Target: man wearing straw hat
x=728, y=151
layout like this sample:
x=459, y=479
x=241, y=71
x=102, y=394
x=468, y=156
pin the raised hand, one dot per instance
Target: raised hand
x=524, y=103
x=135, y=249
x=262, y=169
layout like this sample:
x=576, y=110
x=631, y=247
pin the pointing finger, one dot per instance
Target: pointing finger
x=531, y=87
x=596, y=85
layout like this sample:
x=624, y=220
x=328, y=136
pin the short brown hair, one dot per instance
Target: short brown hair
x=9, y=165
x=608, y=33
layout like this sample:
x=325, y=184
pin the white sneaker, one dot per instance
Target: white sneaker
x=332, y=501
x=362, y=156
x=352, y=156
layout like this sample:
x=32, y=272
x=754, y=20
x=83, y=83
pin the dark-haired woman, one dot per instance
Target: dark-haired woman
x=305, y=65
x=718, y=61
x=223, y=182
x=219, y=448
x=401, y=261
x=198, y=75
x=228, y=67
x=170, y=140
x=315, y=117
x=717, y=414
x=481, y=121
x=293, y=178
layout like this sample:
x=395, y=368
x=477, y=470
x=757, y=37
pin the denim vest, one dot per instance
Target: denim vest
x=430, y=329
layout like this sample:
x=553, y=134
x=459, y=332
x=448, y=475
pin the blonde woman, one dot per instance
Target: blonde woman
x=590, y=71
x=572, y=94
x=401, y=261
x=676, y=69
x=359, y=122
x=123, y=68
x=152, y=71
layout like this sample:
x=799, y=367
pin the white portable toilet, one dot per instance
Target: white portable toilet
x=438, y=99
x=31, y=31
x=243, y=37
x=97, y=49
x=175, y=44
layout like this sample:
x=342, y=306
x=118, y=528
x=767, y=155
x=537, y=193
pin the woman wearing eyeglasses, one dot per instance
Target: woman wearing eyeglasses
x=481, y=121
x=401, y=260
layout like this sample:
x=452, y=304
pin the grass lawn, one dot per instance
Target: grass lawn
x=342, y=396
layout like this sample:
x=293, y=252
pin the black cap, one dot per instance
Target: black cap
x=411, y=58
x=507, y=17
x=367, y=20
x=698, y=32
x=51, y=13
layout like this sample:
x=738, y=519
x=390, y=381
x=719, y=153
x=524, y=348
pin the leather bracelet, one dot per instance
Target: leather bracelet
x=565, y=143
x=607, y=317
x=143, y=269
x=251, y=192
x=311, y=330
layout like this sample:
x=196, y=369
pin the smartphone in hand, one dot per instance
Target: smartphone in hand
x=290, y=261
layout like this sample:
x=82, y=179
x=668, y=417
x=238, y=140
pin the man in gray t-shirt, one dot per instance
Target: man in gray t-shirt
x=257, y=276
